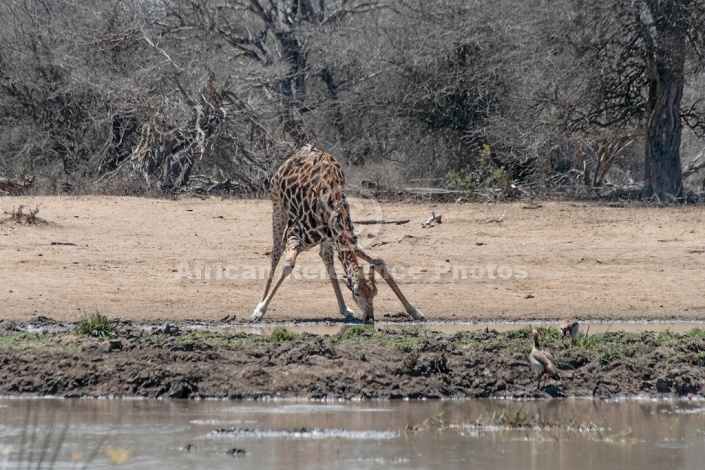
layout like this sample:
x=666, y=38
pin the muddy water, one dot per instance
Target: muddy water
x=142, y=434
x=456, y=327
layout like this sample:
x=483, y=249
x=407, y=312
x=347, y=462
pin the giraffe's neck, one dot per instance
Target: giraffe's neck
x=344, y=240
x=345, y=246
x=348, y=258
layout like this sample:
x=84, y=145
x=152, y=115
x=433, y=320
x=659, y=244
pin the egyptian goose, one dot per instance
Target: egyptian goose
x=570, y=326
x=542, y=362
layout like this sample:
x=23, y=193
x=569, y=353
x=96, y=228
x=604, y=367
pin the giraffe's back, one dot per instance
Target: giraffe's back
x=305, y=190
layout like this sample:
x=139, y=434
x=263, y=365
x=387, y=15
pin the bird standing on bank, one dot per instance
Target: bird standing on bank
x=570, y=327
x=542, y=361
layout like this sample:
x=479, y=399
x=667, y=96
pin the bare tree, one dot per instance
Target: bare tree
x=631, y=60
x=137, y=96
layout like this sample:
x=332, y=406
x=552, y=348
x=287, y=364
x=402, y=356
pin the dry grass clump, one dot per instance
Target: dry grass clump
x=19, y=216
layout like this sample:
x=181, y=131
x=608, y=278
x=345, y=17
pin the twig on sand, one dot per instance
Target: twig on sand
x=375, y=222
x=499, y=221
x=397, y=241
x=431, y=220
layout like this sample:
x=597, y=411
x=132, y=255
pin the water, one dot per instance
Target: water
x=150, y=434
x=449, y=328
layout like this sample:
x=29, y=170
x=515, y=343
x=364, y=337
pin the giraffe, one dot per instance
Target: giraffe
x=309, y=209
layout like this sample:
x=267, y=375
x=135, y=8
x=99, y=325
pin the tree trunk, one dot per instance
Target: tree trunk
x=665, y=69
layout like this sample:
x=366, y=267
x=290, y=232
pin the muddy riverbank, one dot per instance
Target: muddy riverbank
x=158, y=360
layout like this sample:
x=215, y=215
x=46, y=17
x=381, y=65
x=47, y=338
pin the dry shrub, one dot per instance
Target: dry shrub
x=19, y=216
x=375, y=175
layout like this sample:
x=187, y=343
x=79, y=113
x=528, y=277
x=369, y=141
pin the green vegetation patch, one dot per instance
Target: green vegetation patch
x=280, y=334
x=601, y=347
x=668, y=338
x=23, y=341
x=96, y=325
x=408, y=340
x=482, y=173
x=696, y=333
x=216, y=338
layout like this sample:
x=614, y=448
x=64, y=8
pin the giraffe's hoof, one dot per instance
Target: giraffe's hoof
x=416, y=314
x=259, y=312
x=257, y=316
x=349, y=315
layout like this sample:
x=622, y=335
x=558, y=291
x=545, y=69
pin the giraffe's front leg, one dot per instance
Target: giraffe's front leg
x=327, y=256
x=259, y=312
x=293, y=248
x=381, y=268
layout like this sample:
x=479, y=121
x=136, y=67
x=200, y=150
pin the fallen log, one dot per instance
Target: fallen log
x=375, y=222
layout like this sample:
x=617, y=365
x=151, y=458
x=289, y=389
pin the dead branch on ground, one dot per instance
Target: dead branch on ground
x=431, y=220
x=499, y=221
x=397, y=241
x=375, y=222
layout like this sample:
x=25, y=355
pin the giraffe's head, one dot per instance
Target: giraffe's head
x=363, y=291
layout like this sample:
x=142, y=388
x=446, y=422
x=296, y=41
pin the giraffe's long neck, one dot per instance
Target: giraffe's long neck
x=348, y=258
x=343, y=237
x=345, y=246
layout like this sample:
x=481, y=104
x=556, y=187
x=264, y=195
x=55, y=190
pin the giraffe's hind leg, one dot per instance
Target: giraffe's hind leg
x=327, y=256
x=381, y=268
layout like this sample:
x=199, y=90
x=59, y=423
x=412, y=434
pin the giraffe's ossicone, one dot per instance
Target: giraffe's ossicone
x=309, y=209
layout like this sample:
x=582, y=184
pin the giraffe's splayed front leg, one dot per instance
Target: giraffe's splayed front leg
x=381, y=267
x=415, y=313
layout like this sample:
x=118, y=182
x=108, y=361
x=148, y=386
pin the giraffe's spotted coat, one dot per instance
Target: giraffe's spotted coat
x=308, y=199
x=309, y=209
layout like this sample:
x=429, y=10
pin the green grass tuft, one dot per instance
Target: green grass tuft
x=696, y=333
x=280, y=334
x=519, y=333
x=96, y=325
x=357, y=332
x=668, y=338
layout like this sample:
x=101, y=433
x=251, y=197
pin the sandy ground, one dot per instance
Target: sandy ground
x=152, y=259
